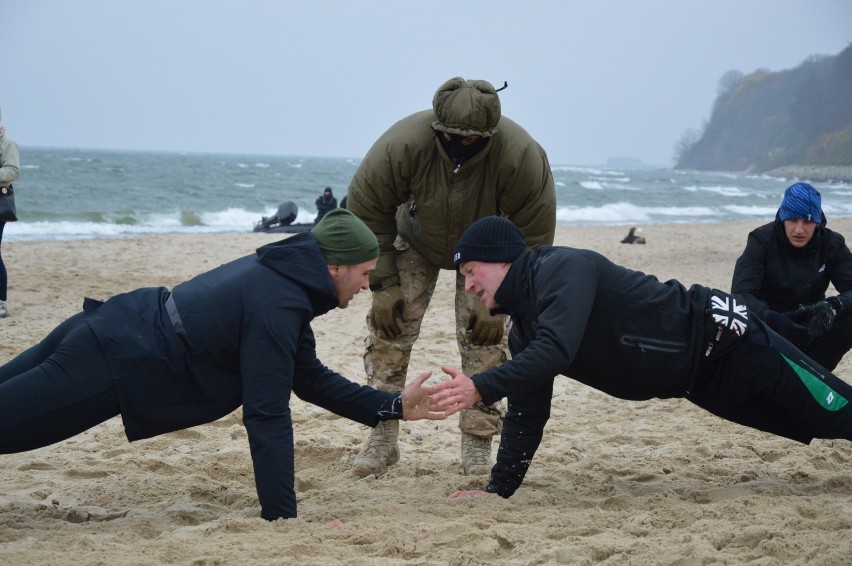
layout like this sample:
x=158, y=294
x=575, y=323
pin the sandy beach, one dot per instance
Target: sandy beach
x=614, y=482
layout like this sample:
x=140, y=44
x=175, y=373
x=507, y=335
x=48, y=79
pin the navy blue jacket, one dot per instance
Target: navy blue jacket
x=248, y=342
x=576, y=313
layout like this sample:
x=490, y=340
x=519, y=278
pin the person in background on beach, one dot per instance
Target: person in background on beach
x=576, y=313
x=785, y=270
x=237, y=335
x=421, y=184
x=10, y=168
x=325, y=203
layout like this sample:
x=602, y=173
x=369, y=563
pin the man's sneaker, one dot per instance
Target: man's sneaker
x=4, y=309
x=380, y=451
x=476, y=455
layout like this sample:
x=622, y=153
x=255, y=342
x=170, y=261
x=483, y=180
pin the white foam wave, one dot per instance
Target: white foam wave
x=722, y=190
x=765, y=211
x=624, y=212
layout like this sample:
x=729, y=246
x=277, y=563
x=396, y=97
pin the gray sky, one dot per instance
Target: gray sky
x=589, y=80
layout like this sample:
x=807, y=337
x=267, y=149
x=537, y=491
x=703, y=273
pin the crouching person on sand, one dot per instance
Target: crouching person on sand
x=237, y=335
x=577, y=314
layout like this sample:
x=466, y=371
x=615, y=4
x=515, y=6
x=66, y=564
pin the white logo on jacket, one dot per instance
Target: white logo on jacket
x=730, y=314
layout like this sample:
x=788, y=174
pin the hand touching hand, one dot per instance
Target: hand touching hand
x=416, y=403
x=455, y=395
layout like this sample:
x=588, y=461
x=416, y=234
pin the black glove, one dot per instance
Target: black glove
x=786, y=324
x=820, y=315
x=485, y=329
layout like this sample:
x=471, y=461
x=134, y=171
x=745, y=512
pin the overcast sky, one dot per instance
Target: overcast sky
x=589, y=80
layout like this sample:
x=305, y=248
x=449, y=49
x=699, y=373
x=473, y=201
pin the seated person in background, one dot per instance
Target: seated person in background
x=784, y=273
x=325, y=203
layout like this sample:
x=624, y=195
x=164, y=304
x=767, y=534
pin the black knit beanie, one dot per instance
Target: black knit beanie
x=492, y=239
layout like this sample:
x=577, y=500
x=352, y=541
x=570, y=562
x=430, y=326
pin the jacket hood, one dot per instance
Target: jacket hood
x=299, y=259
x=466, y=108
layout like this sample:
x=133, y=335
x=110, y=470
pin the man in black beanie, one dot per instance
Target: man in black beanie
x=577, y=314
x=238, y=335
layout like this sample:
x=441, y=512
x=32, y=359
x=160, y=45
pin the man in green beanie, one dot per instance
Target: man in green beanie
x=422, y=183
x=239, y=334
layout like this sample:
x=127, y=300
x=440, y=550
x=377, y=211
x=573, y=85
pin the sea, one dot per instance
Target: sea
x=65, y=194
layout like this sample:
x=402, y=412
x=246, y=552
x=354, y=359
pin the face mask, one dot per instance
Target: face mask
x=457, y=150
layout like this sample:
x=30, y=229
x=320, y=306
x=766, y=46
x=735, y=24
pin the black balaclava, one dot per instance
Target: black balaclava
x=457, y=151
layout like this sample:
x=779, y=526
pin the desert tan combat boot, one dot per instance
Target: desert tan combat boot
x=380, y=451
x=476, y=454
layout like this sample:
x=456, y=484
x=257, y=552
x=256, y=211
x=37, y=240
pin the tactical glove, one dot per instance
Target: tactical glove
x=785, y=324
x=821, y=315
x=485, y=329
x=388, y=304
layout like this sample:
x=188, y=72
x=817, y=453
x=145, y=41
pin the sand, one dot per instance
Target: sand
x=614, y=482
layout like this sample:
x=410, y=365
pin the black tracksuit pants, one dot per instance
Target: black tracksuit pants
x=767, y=383
x=58, y=388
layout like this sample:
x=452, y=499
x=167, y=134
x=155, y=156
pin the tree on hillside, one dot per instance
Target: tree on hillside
x=764, y=120
x=729, y=81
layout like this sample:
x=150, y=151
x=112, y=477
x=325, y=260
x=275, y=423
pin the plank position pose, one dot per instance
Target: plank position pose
x=237, y=335
x=576, y=313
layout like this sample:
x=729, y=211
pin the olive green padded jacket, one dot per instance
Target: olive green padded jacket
x=408, y=186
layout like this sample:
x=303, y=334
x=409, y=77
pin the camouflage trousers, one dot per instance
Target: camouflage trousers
x=386, y=361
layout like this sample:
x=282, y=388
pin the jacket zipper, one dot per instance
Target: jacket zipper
x=654, y=344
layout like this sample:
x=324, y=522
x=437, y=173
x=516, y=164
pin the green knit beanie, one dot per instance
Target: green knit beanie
x=344, y=239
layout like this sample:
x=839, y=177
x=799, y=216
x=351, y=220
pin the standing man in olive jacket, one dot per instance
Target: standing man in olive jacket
x=576, y=313
x=237, y=335
x=421, y=184
x=785, y=270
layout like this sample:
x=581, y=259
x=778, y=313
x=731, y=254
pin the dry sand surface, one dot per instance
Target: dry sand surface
x=614, y=482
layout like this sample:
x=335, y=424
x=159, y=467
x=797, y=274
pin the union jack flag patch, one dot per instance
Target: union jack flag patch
x=729, y=313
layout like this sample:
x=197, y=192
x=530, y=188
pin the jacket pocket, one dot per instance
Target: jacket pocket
x=645, y=343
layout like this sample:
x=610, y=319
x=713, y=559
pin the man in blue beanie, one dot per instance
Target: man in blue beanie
x=577, y=314
x=785, y=270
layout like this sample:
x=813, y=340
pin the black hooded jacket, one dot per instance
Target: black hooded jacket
x=773, y=275
x=248, y=341
x=576, y=313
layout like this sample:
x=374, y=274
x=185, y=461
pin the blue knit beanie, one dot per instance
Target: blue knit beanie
x=801, y=201
x=492, y=239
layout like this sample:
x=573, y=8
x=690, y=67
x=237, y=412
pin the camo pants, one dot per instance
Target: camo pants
x=386, y=361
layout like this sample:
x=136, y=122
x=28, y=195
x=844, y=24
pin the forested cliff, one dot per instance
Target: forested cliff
x=765, y=120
